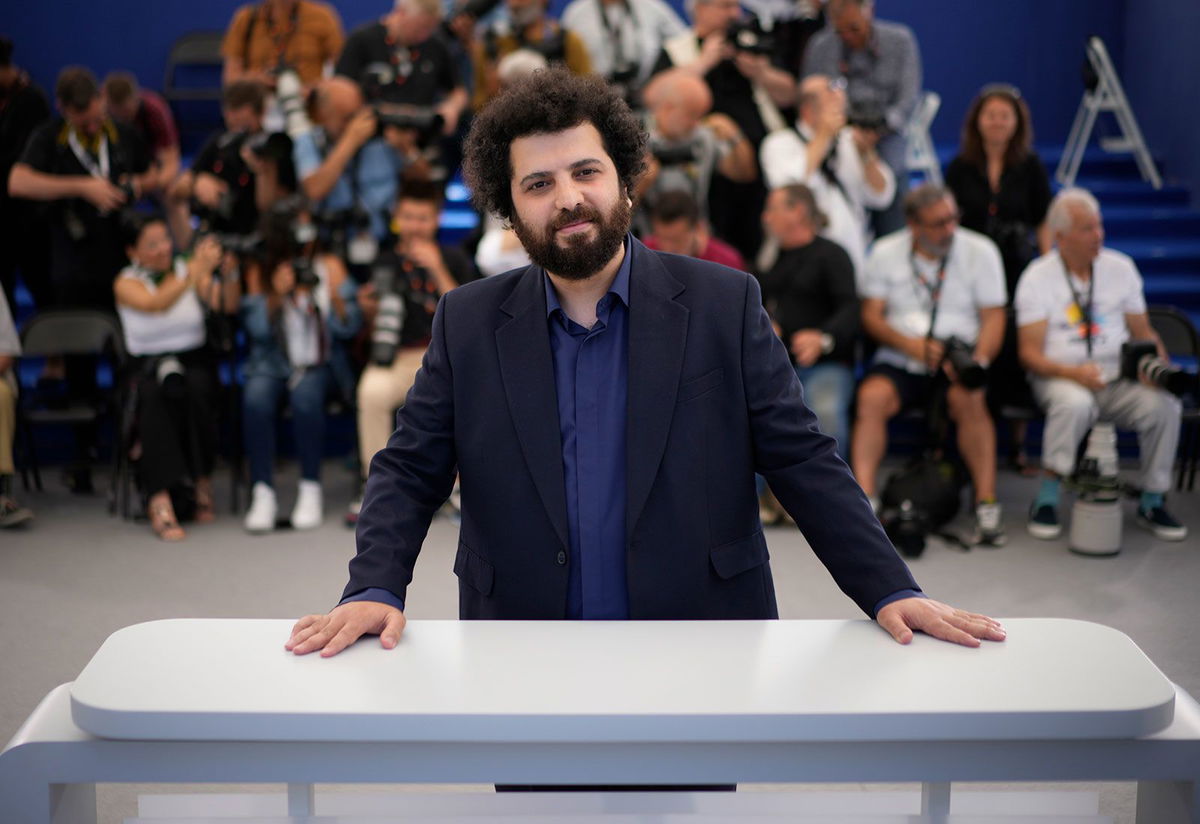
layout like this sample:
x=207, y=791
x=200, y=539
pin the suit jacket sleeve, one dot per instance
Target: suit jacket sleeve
x=410, y=478
x=801, y=465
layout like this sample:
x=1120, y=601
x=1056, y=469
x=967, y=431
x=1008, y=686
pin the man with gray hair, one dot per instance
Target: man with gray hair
x=1076, y=307
x=881, y=64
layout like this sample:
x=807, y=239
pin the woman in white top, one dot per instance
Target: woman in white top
x=161, y=300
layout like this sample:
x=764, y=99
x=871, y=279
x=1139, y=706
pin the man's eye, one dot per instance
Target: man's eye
x=538, y=185
x=588, y=172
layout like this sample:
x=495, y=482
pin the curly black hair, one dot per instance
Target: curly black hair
x=547, y=101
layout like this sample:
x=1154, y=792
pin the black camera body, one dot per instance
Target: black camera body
x=866, y=115
x=420, y=119
x=961, y=356
x=918, y=500
x=670, y=153
x=749, y=37
x=1140, y=361
x=391, y=288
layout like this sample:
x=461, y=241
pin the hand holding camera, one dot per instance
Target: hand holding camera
x=209, y=189
x=361, y=128
x=424, y=253
x=208, y=254
x=104, y=195
x=1089, y=375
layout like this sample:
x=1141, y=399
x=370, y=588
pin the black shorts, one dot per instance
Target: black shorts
x=915, y=389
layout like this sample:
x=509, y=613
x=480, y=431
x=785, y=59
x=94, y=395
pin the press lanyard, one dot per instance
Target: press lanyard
x=1085, y=312
x=93, y=168
x=934, y=289
x=616, y=35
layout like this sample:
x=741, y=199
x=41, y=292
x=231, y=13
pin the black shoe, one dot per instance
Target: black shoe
x=1044, y=523
x=1162, y=524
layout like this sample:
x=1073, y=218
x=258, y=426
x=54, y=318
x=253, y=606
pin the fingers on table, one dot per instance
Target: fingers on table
x=303, y=628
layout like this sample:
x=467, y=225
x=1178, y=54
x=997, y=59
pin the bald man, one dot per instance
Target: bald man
x=687, y=143
x=341, y=162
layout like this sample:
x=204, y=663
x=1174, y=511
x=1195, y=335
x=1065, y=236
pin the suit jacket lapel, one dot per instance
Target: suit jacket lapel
x=527, y=370
x=657, y=335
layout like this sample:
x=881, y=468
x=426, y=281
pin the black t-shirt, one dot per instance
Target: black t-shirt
x=221, y=156
x=420, y=292
x=812, y=287
x=23, y=107
x=422, y=75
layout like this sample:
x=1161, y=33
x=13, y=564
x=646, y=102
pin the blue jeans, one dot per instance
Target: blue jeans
x=307, y=398
x=828, y=390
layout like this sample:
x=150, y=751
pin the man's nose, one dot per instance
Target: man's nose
x=567, y=194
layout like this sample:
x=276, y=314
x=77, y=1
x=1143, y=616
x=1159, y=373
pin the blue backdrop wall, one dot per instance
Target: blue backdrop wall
x=1034, y=44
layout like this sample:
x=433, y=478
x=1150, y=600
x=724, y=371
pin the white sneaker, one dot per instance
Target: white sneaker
x=307, y=513
x=261, y=515
x=989, y=531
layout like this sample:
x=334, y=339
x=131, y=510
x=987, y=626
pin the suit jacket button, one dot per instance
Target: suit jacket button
x=562, y=558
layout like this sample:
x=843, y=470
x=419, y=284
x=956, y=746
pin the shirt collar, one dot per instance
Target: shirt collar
x=620, y=285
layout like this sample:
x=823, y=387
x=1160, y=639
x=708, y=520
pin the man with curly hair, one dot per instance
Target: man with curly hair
x=607, y=408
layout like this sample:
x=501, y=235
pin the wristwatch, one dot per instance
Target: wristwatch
x=826, y=343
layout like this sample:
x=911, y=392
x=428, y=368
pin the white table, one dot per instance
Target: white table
x=611, y=703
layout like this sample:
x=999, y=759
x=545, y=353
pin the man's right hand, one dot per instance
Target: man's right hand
x=102, y=194
x=361, y=128
x=208, y=189
x=928, y=351
x=1089, y=376
x=344, y=625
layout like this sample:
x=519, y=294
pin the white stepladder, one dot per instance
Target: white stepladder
x=921, y=155
x=1106, y=95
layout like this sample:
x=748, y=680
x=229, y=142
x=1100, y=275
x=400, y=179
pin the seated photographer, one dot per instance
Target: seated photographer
x=933, y=297
x=838, y=162
x=151, y=117
x=676, y=227
x=407, y=281
x=347, y=170
x=623, y=38
x=12, y=514
x=298, y=302
x=527, y=26
x=220, y=188
x=881, y=63
x=264, y=38
x=687, y=144
x=402, y=59
x=1077, y=308
x=809, y=293
x=163, y=301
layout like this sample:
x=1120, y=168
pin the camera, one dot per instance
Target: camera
x=918, y=500
x=961, y=356
x=389, y=320
x=671, y=153
x=749, y=37
x=1140, y=361
x=347, y=234
x=866, y=115
x=421, y=119
x=906, y=527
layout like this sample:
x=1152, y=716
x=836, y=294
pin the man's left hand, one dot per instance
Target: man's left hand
x=752, y=66
x=902, y=618
x=806, y=346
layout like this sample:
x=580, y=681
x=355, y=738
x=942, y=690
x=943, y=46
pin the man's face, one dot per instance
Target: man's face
x=124, y=112
x=783, y=219
x=415, y=28
x=933, y=230
x=679, y=237
x=524, y=13
x=1085, y=238
x=674, y=120
x=415, y=219
x=242, y=119
x=87, y=120
x=853, y=25
x=569, y=210
x=715, y=15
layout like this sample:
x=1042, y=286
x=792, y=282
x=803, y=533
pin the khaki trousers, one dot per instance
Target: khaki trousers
x=381, y=390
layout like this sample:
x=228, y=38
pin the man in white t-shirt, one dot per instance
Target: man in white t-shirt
x=921, y=287
x=837, y=162
x=1076, y=306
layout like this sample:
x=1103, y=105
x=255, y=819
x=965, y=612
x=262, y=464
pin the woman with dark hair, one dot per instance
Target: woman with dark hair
x=1003, y=191
x=999, y=181
x=298, y=300
x=163, y=302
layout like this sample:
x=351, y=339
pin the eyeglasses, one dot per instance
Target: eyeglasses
x=942, y=223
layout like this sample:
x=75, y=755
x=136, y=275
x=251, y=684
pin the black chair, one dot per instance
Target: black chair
x=192, y=81
x=1181, y=341
x=69, y=332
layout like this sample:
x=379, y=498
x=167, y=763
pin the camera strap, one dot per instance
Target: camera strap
x=279, y=40
x=616, y=35
x=96, y=167
x=932, y=288
x=1084, y=310
x=826, y=169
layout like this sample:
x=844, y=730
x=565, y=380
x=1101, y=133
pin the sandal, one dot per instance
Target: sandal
x=162, y=521
x=206, y=510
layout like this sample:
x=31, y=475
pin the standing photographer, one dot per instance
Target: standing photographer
x=298, y=302
x=163, y=302
x=933, y=297
x=265, y=38
x=398, y=305
x=1076, y=308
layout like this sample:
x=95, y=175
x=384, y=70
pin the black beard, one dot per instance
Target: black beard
x=580, y=258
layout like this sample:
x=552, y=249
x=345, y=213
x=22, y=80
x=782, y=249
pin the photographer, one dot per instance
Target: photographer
x=933, y=297
x=398, y=305
x=881, y=63
x=347, y=170
x=401, y=59
x=263, y=38
x=686, y=147
x=150, y=116
x=837, y=161
x=162, y=302
x=220, y=187
x=298, y=301
x=1076, y=308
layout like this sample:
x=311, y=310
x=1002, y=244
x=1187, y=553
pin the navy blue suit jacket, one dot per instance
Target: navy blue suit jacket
x=713, y=397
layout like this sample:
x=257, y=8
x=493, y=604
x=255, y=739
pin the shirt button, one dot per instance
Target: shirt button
x=562, y=558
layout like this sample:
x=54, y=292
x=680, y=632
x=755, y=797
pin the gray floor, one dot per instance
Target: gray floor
x=77, y=575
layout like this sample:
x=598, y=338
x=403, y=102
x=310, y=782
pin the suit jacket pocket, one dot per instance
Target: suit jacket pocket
x=738, y=556
x=698, y=386
x=473, y=570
